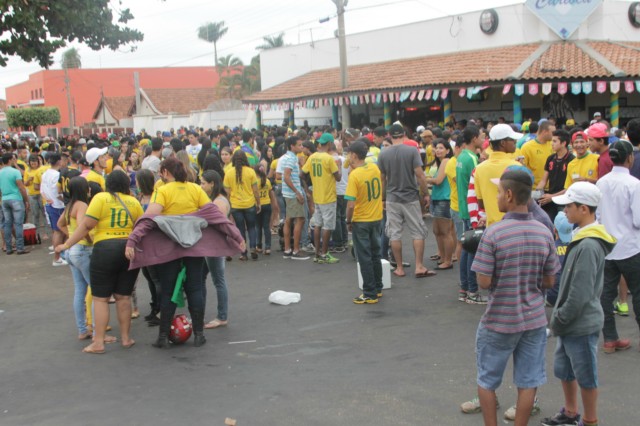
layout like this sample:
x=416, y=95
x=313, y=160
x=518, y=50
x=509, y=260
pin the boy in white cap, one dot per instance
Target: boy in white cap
x=578, y=316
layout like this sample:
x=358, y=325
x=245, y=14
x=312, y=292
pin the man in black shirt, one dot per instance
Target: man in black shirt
x=555, y=172
x=69, y=171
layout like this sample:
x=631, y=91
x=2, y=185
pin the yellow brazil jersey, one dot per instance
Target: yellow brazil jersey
x=86, y=241
x=486, y=190
x=265, y=200
x=535, y=156
x=514, y=155
x=226, y=167
x=585, y=167
x=38, y=179
x=450, y=171
x=35, y=177
x=113, y=219
x=158, y=184
x=96, y=177
x=365, y=189
x=180, y=197
x=109, y=167
x=321, y=167
x=241, y=194
x=23, y=164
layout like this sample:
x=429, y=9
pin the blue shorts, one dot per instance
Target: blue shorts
x=493, y=351
x=53, y=214
x=440, y=209
x=575, y=359
x=457, y=222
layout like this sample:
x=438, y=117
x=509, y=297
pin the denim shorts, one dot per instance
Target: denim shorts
x=440, y=209
x=493, y=351
x=458, y=223
x=53, y=214
x=575, y=359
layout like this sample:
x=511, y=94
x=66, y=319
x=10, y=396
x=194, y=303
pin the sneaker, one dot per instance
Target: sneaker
x=462, y=296
x=286, y=254
x=361, y=300
x=510, y=414
x=561, y=419
x=299, y=256
x=50, y=248
x=379, y=294
x=338, y=249
x=473, y=406
x=327, y=258
x=309, y=248
x=616, y=345
x=476, y=299
x=59, y=262
x=28, y=251
x=621, y=309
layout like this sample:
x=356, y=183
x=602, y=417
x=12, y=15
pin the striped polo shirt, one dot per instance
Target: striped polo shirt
x=516, y=252
x=290, y=161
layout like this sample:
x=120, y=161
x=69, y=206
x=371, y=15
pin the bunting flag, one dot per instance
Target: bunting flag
x=601, y=86
x=563, y=88
x=420, y=95
x=385, y=97
x=444, y=94
x=576, y=88
x=366, y=98
x=436, y=94
x=470, y=92
x=615, y=86
x=628, y=86
x=362, y=100
x=427, y=94
x=347, y=100
x=546, y=88
x=404, y=96
x=533, y=89
x=638, y=85
x=397, y=96
x=378, y=98
x=462, y=92
x=518, y=89
x=392, y=97
x=506, y=89
x=587, y=87
x=340, y=101
x=412, y=97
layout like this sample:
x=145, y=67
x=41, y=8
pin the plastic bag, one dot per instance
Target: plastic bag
x=280, y=297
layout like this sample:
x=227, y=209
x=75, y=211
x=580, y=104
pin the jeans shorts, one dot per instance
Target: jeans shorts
x=324, y=216
x=575, y=359
x=440, y=209
x=458, y=223
x=493, y=351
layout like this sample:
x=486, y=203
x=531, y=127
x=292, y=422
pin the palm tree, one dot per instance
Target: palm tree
x=71, y=59
x=271, y=42
x=229, y=64
x=212, y=32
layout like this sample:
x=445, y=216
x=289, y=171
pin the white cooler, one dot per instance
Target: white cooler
x=386, y=275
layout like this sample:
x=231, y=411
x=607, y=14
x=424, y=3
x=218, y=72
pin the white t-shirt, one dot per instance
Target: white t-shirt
x=49, y=188
x=152, y=163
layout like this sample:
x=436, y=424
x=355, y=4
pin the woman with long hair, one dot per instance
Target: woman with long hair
x=225, y=156
x=266, y=158
x=204, y=151
x=112, y=214
x=241, y=183
x=212, y=162
x=192, y=175
x=269, y=211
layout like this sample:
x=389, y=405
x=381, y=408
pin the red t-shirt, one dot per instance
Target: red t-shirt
x=412, y=143
x=604, y=164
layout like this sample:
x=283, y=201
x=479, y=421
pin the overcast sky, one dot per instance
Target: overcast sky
x=170, y=28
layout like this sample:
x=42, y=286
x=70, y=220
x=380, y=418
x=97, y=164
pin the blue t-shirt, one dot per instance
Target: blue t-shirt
x=441, y=192
x=290, y=161
x=8, y=185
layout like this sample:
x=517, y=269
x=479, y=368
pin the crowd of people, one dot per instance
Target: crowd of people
x=510, y=203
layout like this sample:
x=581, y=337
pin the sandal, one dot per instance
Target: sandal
x=135, y=315
x=434, y=257
x=267, y=252
x=215, y=324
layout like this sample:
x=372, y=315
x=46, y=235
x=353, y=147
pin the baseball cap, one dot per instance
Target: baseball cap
x=396, y=131
x=517, y=173
x=94, y=153
x=597, y=114
x=571, y=122
x=325, y=138
x=115, y=143
x=580, y=134
x=564, y=228
x=380, y=131
x=166, y=134
x=580, y=192
x=598, y=130
x=419, y=129
x=503, y=131
x=82, y=141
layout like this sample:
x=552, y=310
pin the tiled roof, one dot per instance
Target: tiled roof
x=561, y=60
x=120, y=106
x=180, y=101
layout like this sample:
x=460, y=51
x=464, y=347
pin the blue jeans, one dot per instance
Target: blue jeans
x=468, y=280
x=340, y=233
x=215, y=265
x=366, y=243
x=246, y=222
x=79, y=258
x=13, y=211
x=263, y=226
x=576, y=358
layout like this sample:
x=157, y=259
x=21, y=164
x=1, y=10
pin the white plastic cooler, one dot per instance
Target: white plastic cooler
x=386, y=275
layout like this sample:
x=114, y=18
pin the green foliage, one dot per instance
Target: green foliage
x=34, y=29
x=28, y=118
x=235, y=84
x=212, y=32
x=71, y=59
x=271, y=42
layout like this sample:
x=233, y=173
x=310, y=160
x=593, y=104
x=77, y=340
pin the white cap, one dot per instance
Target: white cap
x=82, y=141
x=94, y=153
x=580, y=192
x=597, y=114
x=503, y=131
x=420, y=129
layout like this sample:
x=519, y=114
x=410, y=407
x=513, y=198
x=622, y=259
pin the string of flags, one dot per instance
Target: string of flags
x=533, y=89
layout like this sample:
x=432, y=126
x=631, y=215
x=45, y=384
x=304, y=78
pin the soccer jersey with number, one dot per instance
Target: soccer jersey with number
x=113, y=219
x=365, y=188
x=265, y=200
x=321, y=166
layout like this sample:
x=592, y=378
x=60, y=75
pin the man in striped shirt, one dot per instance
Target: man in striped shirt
x=515, y=271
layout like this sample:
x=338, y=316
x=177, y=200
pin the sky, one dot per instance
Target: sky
x=170, y=29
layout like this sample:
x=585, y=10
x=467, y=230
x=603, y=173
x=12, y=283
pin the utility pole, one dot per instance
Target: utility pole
x=342, y=43
x=72, y=121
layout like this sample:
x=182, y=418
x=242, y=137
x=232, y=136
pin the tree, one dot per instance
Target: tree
x=212, y=32
x=34, y=30
x=236, y=84
x=271, y=42
x=229, y=64
x=29, y=118
x=71, y=59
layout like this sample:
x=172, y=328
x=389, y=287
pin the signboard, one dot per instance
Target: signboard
x=563, y=16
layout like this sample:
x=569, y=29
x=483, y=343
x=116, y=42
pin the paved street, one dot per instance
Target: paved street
x=408, y=360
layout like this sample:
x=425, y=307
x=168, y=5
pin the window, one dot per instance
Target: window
x=41, y=93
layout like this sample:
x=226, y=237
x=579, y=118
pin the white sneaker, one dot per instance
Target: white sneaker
x=59, y=262
x=50, y=248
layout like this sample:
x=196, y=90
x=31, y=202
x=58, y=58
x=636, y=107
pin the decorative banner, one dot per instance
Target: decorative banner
x=444, y=94
x=378, y=98
x=563, y=88
x=362, y=100
x=518, y=89
x=427, y=95
x=470, y=92
x=436, y=94
x=533, y=89
x=462, y=92
x=404, y=96
x=638, y=85
x=601, y=86
x=397, y=96
x=563, y=17
x=546, y=88
x=506, y=89
x=317, y=103
x=587, y=87
x=366, y=98
x=385, y=97
x=420, y=95
x=413, y=95
x=336, y=102
x=615, y=86
x=576, y=88
x=340, y=101
x=628, y=86
x=347, y=100
x=392, y=97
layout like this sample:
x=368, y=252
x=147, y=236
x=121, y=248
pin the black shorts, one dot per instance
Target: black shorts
x=109, y=270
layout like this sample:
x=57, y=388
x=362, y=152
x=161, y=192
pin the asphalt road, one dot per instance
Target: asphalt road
x=409, y=360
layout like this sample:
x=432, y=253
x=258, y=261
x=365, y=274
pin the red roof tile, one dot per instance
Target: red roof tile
x=625, y=58
x=564, y=60
x=120, y=106
x=181, y=101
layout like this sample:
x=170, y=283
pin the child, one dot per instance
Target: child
x=577, y=317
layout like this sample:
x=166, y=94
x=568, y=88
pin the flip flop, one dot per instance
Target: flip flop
x=87, y=350
x=426, y=274
x=444, y=269
x=133, y=342
x=398, y=275
x=435, y=257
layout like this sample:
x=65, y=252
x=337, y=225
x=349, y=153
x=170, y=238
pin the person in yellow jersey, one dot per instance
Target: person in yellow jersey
x=269, y=211
x=583, y=168
x=536, y=152
x=241, y=183
x=225, y=157
x=503, y=142
x=324, y=173
x=458, y=225
x=97, y=159
x=32, y=176
x=364, y=219
x=111, y=215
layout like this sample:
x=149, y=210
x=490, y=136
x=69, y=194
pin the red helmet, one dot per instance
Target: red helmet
x=181, y=329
